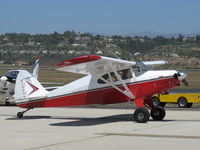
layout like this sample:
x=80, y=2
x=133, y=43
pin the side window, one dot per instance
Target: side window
x=125, y=74
x=105, y=76
x=111, y=77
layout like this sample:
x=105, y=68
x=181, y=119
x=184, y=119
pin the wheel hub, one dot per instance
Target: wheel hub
x=156, y=113
x=141, y=116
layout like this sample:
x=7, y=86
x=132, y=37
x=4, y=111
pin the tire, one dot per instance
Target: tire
x=19, y=115
x=182, y=102
x=159, y=114
x=156, y=101
x=141, y=115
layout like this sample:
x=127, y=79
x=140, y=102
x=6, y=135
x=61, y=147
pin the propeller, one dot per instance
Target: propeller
x=185, y=82
x=181, y=76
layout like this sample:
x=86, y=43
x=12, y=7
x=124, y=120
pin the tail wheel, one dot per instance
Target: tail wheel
x=141, y=115
x=182, y=102
x=158, y=114
x=20, y=115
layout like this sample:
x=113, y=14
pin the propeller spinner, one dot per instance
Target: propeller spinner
x=181, y=76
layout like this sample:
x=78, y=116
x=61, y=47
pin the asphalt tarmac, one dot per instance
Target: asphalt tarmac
x=97, y=129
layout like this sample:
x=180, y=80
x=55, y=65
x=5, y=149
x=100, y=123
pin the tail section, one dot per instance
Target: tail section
x=36, y=68
x=28, y=87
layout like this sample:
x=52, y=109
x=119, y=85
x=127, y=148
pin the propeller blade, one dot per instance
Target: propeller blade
x=185, y=82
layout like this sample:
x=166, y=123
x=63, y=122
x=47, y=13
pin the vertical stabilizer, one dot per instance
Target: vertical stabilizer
x=28, y=87
x=36, y=68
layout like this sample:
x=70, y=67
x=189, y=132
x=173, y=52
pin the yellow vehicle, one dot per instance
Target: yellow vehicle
x=184, y=100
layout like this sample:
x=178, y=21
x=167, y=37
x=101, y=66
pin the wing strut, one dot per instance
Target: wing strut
x=126, y=92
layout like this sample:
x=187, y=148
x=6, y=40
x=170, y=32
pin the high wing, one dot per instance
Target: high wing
x=98, y=64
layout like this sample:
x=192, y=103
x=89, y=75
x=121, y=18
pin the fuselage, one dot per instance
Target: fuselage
x=91, y=90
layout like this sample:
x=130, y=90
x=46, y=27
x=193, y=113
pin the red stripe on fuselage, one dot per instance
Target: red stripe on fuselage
x=106, y=96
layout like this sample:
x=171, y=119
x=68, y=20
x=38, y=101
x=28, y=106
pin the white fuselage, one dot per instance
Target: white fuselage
x=91, y=82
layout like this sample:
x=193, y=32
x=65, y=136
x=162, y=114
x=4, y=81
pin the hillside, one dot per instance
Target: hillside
x=180, y=51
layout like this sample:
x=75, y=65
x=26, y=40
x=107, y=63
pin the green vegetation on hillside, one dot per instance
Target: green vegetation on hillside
x=181, y=51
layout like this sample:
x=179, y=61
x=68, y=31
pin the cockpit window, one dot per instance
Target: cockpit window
x=112, y=77
x=125, y=74
x=12, y=74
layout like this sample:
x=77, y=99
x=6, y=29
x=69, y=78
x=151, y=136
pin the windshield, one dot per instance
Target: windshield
x=12, y=74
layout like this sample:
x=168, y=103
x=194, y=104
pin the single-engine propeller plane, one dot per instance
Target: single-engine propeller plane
x=107, y=80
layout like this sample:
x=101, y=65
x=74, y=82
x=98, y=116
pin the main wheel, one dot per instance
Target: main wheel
x=182, y=102
x=159, y=114
x=141, y=115
x=19, y=115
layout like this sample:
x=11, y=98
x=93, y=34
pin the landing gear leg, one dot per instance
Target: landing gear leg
x=141, y=114
x=20, y=114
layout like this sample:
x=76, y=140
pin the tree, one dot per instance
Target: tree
x=197, y=38
x=161, y=40
x=180, y=38
x=71, y=40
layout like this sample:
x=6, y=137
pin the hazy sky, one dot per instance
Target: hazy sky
x=99, y=16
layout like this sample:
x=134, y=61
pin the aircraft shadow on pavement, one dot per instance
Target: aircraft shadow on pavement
x=98, y=121
x=85, y=121
x=81, y=121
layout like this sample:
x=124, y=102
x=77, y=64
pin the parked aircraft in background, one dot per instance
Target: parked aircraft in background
x=7, y=81
x=108, y=81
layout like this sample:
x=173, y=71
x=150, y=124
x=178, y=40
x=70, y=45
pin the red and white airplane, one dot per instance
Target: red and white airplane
x=108, y=81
